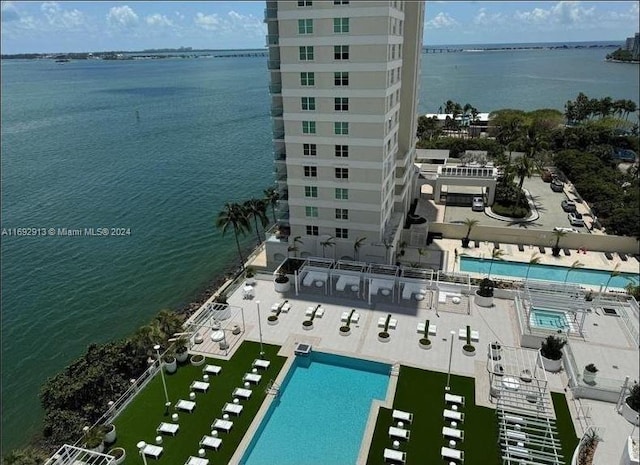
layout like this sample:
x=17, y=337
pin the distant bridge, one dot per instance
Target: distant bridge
x=442, y=50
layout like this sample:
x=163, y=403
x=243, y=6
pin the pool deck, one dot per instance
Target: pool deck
x=605, y=344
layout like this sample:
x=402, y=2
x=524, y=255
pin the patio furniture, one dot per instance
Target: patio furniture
x=475, y=335
x=196, y=461
x=432, y=329
x=516, y=435
x=496, y=245
x=355, y=317
x=152, y=451
x=402, y=416
x=454, y=399
x=399, y=433
x=319, y=312
x=240, y=392
x=518, y=451
x=212, y=369
x=186, y=405
x=511, y=383
x=210, y=441
x=452, y=433
x=608, y=255
x=224, y=425
x=395, y=455
x=199, y=386
x=455, y=454
x=453, y=415
x=515, y=420
x=286, y=307
x=248, y=292
x=567, y=252
x=623, y=256
x=252, y=378
x=236, y=409
x=168, y=428
x=259, y=363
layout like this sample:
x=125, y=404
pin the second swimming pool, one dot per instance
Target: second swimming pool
x=320, y=413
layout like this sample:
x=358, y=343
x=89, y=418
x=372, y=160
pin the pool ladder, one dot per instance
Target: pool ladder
x=273, y=388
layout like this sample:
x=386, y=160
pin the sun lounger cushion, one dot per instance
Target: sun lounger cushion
x=186, y=405
x=169, y=428
x=210, y=441
x=475, y=335
x=608, y=255
x=395, y=455
x=452, y=433
x=402, y=416
x=229, y=407
x=196, y=461
x=224, y=425
x=452, y=453
x=212, y=369
x=451, y=398
x=623, y=257
x=259, y=363
x=399, y=432
x=153, y=451
x=240, y=392
x=252, y=378
x=200, y=386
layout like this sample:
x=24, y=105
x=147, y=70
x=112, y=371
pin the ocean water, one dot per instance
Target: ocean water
x=74, y=155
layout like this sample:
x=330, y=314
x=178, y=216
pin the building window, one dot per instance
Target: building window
x=340, y=52
x=310, y=191
x=306, y=3
x=342, y=214
x=306, y=53
x=308, y=103
x=309, y=149
x=341, y=128
x=342, y=194
x=342, y=151
x=312, y=230
x=310, y=171
x=305, y=26
x=342, y=233
x=341, y=103
x=340, y=25
x=311, y=212
x=307, y=79
x=308, y=127
x=339, y=2
x=341, y=78
x=342, y=173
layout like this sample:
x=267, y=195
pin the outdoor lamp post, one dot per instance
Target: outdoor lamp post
x=447, y=387
x=141, y=445
x=260, y=328
x=164, y=383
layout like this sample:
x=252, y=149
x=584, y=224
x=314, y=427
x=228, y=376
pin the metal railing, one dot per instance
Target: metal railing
x=272, y=39
x=275, y=88
x=270, y=13
x=273, y=64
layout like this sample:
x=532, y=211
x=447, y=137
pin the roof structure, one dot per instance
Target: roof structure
x=72, y=455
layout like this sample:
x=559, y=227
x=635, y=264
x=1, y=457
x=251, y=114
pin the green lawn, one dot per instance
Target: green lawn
x=141, y=418
x=564, y=425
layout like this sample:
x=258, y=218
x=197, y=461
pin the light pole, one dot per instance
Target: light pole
x=164, y=383
x=141, y=445
x=260, y=328
x=447, y=387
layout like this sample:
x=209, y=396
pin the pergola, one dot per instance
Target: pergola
x=214, y=323
x=72, y=455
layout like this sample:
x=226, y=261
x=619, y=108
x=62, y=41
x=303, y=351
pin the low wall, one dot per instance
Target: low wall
x=595, y=242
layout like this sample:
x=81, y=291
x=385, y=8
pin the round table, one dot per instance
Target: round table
x=201, y=453
x=174, y=417
x=454, y=407
x=385, y=292
x=355, y=288
x=225, y=416
x=511, y=383
x=236, y=400
x=217, y=336
x=205, y=377
x=452, y=443
x=192, y=395
x=400, y=424
x=419, y=296
x=214, y=433
x=247, y=384
x=396, y=444
x=455, y=300
x=158, y=440
x=319, y=283
x=254, y=370
x=454, y=424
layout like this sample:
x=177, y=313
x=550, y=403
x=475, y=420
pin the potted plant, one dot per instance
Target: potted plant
x=468, y=348
x=182, y=349
x=94, y=439
x=551, y=353
x=197, y=360
x=110, y=433
x=345, y=330
x=484, y=295
x=250, y=274
x=272, y=320
x=281, y=283
x=383, y=336
x=170, y=363
x=631, y=405
x=119, y=454
x=307, y=324
x=589, y=374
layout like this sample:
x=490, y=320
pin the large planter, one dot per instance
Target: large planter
x=468, y=350
x=628, y=413
x=110, y=435
x=345, y=330
x=589, y=377
x=182, y=357
x=197, y=360
x=170, y=365
x=424, y=344
x=272, y=320
x=307, y=324
x=383, y=336
x=282, y=284
x=482, y=301
x=119, y=453
x=549, y=365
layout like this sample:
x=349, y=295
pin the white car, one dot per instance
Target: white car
x=477, y=205
x=575, y=219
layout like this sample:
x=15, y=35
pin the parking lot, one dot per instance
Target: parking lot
x=547, y=202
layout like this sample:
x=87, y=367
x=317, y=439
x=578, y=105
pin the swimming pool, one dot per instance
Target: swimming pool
x=321, y=412
x=546, y=272
x=548, y=319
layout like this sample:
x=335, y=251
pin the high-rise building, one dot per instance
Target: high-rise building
x=344, y=89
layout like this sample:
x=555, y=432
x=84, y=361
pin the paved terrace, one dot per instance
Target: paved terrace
x=614, y=355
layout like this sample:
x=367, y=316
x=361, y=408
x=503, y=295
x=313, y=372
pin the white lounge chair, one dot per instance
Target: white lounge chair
x=259, y=363
x=196, y=461
x=452, y=454
x=168, y=428
x=382, y=321
x=286, y=307
x=275, y=307
x=152, y=451
x=516, y=420
x=399, y=415
x=393, y=323
x=355, y=317
x=452, y=433
x=453, y=415
x=224, y=425
x=186, y=405
x=199, y=386
x=241, y=392
x=344, y=317
x=453, y=399
x=212, y=370
x=395, y=455
x=475, y=335
x=252, y=378
x=319, y=312
x=229, y=407
x=210, y=441
x=399, y=433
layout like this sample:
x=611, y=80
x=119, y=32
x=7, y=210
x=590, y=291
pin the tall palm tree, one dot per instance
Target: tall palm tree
x=558, y=234
x=534, y=260
x=328, y=242
x=496, y=254
x=257, y=208
x=294, y=247
x=233, y=215
x=271, y=197
x=615, y=272
x=469, y=223
x=575, y=265
x=356, y=247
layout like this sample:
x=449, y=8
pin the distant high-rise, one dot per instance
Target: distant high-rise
x=632, y=44
x=344, y=90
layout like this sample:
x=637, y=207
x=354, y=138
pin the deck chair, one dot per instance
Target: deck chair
x=395, y=455
x=623, y=256
x=402, y=416
x=168, y=428
x=210, y=441
x=496, y=245
x=608, y=255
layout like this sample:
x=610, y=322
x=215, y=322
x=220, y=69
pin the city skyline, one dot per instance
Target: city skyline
x=50, y=27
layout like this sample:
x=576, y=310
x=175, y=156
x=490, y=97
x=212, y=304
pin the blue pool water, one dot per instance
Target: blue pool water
x=547, y=272
x=321, y=412
x=548, y=319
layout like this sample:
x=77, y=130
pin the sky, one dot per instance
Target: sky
x=48, y=27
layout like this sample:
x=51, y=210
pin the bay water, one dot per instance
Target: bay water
x=155, y=148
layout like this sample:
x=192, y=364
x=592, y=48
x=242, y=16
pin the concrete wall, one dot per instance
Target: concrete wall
x=592, y=242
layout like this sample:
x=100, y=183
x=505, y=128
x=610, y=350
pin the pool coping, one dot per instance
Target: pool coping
x=287, y=350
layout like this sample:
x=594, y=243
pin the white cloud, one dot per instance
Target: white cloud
x=441, y=21
x=208, y=22
x=485, y=19
x=9, y=12
x=158, y=20
x=535, y=16
x=571, y=13
x=63, y=19
x=232, y=23
x=122, y=17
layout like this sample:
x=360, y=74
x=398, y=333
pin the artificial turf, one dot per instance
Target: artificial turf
x=139, y=420
x=564, y=425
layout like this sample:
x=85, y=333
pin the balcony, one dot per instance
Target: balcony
x=278, y=134
x=273, y=39
x=273, y=64
x=270, y=14
x=280, y=177
x=280, y=155
x=276, y=112
x=275, y=89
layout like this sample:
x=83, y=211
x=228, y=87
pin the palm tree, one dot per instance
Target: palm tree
x=615, y=272
x=294, y=247
x=387, y=246
x=421, y=252
x=469, y=223
x=356, y=247
x=534, y=260
x=574, y=265
x=328, y=242
x=257, y=208
x=558, y=235
x=233, y=215
x=271, y=197
x=496, y=254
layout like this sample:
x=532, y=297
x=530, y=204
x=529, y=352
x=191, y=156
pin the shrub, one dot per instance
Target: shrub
x=551, y=347
x=344, y=329
x=307, y=323
x=272, y=318
x=591, y=368
x=486, y=288
x=468, y=348
x=425, y=341
x=282, y=278
x=633, y=400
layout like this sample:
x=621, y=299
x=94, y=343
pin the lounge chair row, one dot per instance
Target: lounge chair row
x=400, y=433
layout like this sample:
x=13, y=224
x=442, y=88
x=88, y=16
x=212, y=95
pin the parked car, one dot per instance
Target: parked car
x=478, y=204
x=568, y=205
x=576, y=219
x=557, y=185
x=567, y=230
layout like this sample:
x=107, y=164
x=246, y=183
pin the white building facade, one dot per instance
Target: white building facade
x=344, y=89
